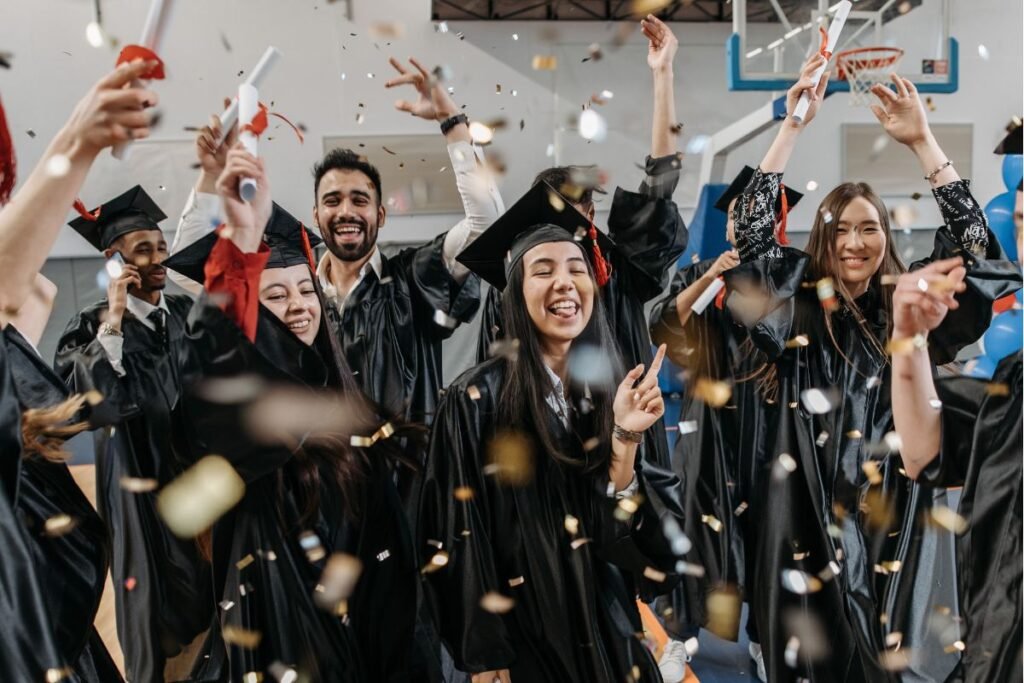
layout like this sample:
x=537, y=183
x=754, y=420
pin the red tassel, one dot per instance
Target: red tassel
x=91, y=216
x=129, y=53
x=720, y=297
x=783, y=217
x=601, y=273
x=307, y=247
x=8, y=162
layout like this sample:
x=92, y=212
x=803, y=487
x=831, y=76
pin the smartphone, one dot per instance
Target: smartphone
x=115, y=265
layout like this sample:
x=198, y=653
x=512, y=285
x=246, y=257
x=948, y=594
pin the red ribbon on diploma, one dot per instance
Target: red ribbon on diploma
x=260, y=122
x=132, y=52
x=720, y=297
x=823, y=50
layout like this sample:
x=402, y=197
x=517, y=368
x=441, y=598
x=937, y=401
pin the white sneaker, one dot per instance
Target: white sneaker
x=758, y=657
x=673, y=662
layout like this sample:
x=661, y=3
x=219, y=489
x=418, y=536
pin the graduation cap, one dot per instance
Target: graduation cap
x=290, y=243
x=1013, y=143
x=134, y=210
x=787, y=199
x=541, y=215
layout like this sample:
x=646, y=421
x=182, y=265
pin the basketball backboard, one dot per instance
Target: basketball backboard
x=772, y=38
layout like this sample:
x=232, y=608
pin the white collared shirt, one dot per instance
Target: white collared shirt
x=323, y=273
x=113, y=344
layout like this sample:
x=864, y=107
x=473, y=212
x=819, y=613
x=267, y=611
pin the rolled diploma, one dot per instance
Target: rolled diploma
x=152, y=35
x=834, y=29
x=248, y=106
x=707, y=296
x=255, y=79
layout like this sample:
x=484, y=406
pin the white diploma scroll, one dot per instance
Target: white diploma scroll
x=707, y=296
x=834, y=29
x=152, y=36
x=230, y=115
x=248, y=107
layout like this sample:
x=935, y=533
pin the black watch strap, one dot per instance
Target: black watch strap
x=450, y=123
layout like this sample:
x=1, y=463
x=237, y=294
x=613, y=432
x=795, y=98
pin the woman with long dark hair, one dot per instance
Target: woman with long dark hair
x=320, y=510
x=539, y=509
x=840, y=540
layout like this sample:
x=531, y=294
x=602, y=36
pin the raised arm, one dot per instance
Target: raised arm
x=109, y=113
x=661, y=50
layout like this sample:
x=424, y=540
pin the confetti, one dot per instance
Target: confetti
x=801, y=583
x=831, y=570
x=190, y=504
x=130, y=583
x=983, y=52
x=819, y=401
x=437, y=560
x=94, y=34
x=678, y=541
x=337, y=581
x=510, y=459
x=904, y=215
x=481, y=133
x=740, y=509
x=545, y=62
x=712, y=392
x=443, y=319
x=57, y=675
x=383, y=555
x=889, y=567
x=801, y=556
x=713, y=522
x=226, y=605
x=579, y=543
x=496, y=603
x=792, y=651
x=57, y=166
x=826, y=215
x=310, y=543
x=997, y=389
x=245, y=562
x=870, y=468
x=723, y=612
x=384, y=30
x=688, y=427
x=588, y=365
x=821, y=440
x=655, y=575
x=626, y=508
x=827, y=294
x=689, y=569
x=798, y=341
x=243, y=638
x=948, y=519
x=592, y=126
x=854, y=434
x=812, y=185
x=894, y=660
x=283, y=673
x=697, y=144
x=783, y=467
x=572, y=524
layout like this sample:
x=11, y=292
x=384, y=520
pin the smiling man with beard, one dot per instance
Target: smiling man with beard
x=130, y=348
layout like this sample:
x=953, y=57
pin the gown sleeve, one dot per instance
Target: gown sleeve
x=83, y=364
x=441, y=303
x=990, y=275
x=961, y=403
x=665, y=327
x=478, y=639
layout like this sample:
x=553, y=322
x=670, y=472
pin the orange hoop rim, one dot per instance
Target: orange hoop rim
x=851, y=58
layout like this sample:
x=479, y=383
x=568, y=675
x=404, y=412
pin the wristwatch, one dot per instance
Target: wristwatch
x=107, y=328
x=453, y=121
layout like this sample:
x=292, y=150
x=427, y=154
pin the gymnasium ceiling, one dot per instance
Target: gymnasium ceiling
x=620, y=10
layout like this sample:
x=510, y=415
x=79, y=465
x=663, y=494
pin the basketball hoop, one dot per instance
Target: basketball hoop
x=865, y=66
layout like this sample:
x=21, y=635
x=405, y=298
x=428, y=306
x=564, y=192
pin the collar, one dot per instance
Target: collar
x=556, y=399
x=141, y=309
x=323, y=270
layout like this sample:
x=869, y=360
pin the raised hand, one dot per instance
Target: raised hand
x=247, y=220
x=728, y=260
x=662, y=44
x=117, y=293
x=637, y=408
x=923, y=297
x=211, y=156
x=112, y=111
x=433, y=104
x=901, y=113
x=806, y=83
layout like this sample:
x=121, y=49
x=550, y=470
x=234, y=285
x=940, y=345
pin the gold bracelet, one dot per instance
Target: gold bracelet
x=931, y=176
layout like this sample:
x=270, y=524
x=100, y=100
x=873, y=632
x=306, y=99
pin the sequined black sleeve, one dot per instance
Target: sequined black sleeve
x=755, y=217
x=965, y=220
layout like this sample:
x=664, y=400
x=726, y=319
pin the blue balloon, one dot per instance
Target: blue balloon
x=1020, y=296
x=982, y=367
x=1003, y=336
x=1013, y=171
x=1000, y=220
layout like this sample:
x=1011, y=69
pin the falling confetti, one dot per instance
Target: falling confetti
x=592, y=126
x=337, y=581
x=812, y=185
x=697, y=144
x=243, y=638
x=572, y=524
x=655, y=575
x=443, y=319
x=798, y=341
x=504, y=348
x=311, y=545
x=496, y=603
x=283, y=673
x=689, y=569
x=712, y=392
x=723, y=612
x=713, y=522
x=948, y=519
x=59, y=524
x=678, y=541
x=819, y=401
x=827, y=294
x=783, y=467
x=57, y=166
x=511, y=459
x=463, y=493
x=190, y=504
x=801, y=583
x=545, y=62
x=481, y=133
x=983, y=52
x=688, y=427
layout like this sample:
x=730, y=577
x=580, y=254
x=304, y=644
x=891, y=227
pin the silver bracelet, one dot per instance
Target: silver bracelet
x=931, y=176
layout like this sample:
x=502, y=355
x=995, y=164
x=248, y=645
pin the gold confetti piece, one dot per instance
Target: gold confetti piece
x=801, y=556
x=792, y=652
x=801, y=583
x=545, y=62
x=894, y=639
x=481, y=133
x=712, y=392
x=310, y=543
x=437, y=544
x=579, y=543
x=512, y=458
x=740, y=509
x=473, y=392
x=93, y=397
x=138, y=485
x=464, y=493
x=518, y=581
x=997, y=389
x=190, y=504
x=496, y=603
x=243, y=638
x=821, y=440
x=689, y=569
x=337, y=581
x=58, y=525
x=894, y=660
x=783, y=467
x=383, y=30
x=591, y=443
x=712, y=522
x=830, y=571
x=888, y=567
x=723, y=612
x=827, y=294
x=245, y=562
x=854, y=434
x=948, y=519
x=654, y=574
x=798, y=341
x=130, y=583
x=57, y=675
x=641, y=8
x=360, y=441
x=572, y=525
x=283, y=673
x=438, y=560
x=870, y=468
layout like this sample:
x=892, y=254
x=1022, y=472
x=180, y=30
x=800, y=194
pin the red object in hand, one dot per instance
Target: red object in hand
x=132, y=52
x=234, y=276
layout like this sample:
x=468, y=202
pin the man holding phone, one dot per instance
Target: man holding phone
x=130, y=348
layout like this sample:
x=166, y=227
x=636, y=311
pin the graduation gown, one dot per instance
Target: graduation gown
x=73, y=565
x=857, y=530
x=650, y=236
x=167, y=603
x=980, y=451
x=722, y=455
x=28, y=646
x=574, y=618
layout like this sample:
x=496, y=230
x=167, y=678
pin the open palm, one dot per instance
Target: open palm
x=901, y=113
x=433, y=102
x=662, y=43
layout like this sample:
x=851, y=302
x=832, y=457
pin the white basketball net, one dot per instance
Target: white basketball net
x=864, y=68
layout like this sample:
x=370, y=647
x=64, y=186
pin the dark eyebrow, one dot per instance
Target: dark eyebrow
x=272, y=285
x=550, y=261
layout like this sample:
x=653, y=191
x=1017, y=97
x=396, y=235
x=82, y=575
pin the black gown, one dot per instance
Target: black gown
x=720, y=453
x=72, y=566
x=858, y=532
x=574, y=617
x=165, y=603
x=29, y=649
x=980, y=451
x=650, y=236
x=262, y=572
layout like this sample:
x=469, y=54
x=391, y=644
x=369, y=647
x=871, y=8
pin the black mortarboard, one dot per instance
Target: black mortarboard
x=284, y=236
x=541, y=215
x=740, y=183
x=1013, y=143
x=131, y=211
